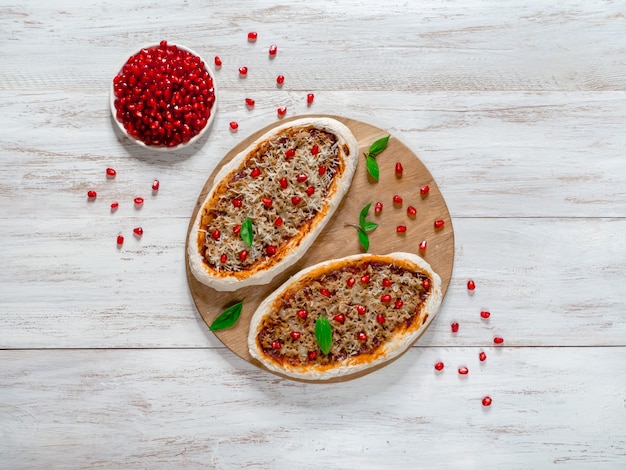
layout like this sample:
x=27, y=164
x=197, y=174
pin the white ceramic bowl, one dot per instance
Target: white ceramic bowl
x=165, y=148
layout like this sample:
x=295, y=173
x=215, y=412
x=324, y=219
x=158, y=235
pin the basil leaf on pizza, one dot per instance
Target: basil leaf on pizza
x=247, y=231
x=324, y=334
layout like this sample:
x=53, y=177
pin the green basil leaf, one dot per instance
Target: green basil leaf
x=372, y=167
x=368, y=226
x=324, y=334
x=227, y=318
x=378, y=146
x=247, y=231
x=363, y=214
x=364, y=240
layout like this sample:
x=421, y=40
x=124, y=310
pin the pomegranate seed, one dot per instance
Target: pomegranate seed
x=138, y=201
x=301, y=177
x=471, y=285
x=237, y=229
x=350, y=282
x=243, y=254
x=380, y=318
x=280, y=80
x=249, y=102
x=411, y=211
x=398, y=304
x=276, y=345
x=111, y=173
x=439, y=224
x=302, y=314
x=485, y=314
x=215, y=235
x=281, y=111
x=252, y=36
x=120, y=240
x=267, y=202
x=365, y=279
x=424, y=190
x=237, y=202
x=283, y=183
x=156, y=185
x=312, y=355
x=138, y=231
x=321, y=170
x=361, y=310
x=401, y=229
x=233, y=125
x=315, y=149
x=361, y=336
x=399, y=169
x=223, y=258
x=114, y=206
x=482, y=356
x=310, y=98
x=218, y=61
x=498, y=340
x=422, y=245
x=296, y=200
x=385, y=298
x=290, y=153
x=426, y=283
x=271, y=250
x=243, y=71
x=273, y=49
x=255, y=172
x=325, y=292
x=439, y=366
x=278, y=222
x=454, y=327
x=378, y=208
x=295, y=334
x=397, y=199
x=310, y=190
x=91, y=194
x=486, y=401
x=386, y=282
x=340, y=318
x=463, y=370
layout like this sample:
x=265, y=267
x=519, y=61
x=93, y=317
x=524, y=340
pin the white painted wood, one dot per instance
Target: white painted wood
x=517, y=109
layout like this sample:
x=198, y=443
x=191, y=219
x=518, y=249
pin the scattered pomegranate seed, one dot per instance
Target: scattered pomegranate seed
x=315, y=149
x=249, y=102
x=215, y=235
x=301, y=178
x=399, y=169
x=310, y=190
x=302, y=314
x=361, y=310
x=310, y=98
x=278, y=222
x=271, y=250
x=378, y=208
x=482, y=356
x=237, y=202
x=283, y=183
x=243, y=71
x=439, y=224
x=252, y=36
x=223, y=258
x=267, y=202
x=234, y=125
x=471, y=285
x=114, y=205
x=255, y=172
x=218, y=61
x=340, y=318
x=290, y=153
x=485, y=314
x=463, y=370
x=276, y=345
x=498, y=340
x=281, y=111
x=380, y=318
x=273, y=49
x=156, y=185
x=280, y=79
x=397, y=199
x=454, y=327
x=138, y=201
x=361, y=336
x=386, y=282
x=422, y=245
x=401, y=229
x=296, y=200
x=120, y=240
x=426, y=283
x=424, y=190
x=312, y=355
x=439, y=366
x=243, y=254
x=411, y=211
x=149, y=109
x=321, y=170
x=486, y=401
x=138, y=231
x=91, y=194
x=365, y=279
x=385, y=298
x=237, y=229
x=350, y=282
x=111, y=173
x=398, y=304
x=325, y=292
x=295, y=334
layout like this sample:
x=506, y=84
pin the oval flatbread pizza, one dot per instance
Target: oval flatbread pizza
x=344, y=316
x=267, y=206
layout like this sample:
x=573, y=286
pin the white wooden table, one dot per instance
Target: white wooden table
x=517, y=108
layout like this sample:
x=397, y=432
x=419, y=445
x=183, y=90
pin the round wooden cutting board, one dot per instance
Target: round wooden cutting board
x=339, y=238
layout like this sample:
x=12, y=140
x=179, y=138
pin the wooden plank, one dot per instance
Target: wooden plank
x=209, y=409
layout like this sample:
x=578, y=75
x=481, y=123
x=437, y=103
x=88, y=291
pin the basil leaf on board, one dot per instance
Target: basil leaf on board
x=368, y=226
x=324, y=334
x=378, y=146
x=227, y=318
x=363, y=214
x=372, y=167
x=364, y=240
x=247, y=232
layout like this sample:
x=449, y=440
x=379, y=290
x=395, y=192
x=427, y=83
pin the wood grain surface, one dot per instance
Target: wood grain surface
x=339, y=238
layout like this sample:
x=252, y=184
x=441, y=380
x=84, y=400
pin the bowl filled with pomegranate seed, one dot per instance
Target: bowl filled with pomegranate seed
x=164, y=97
